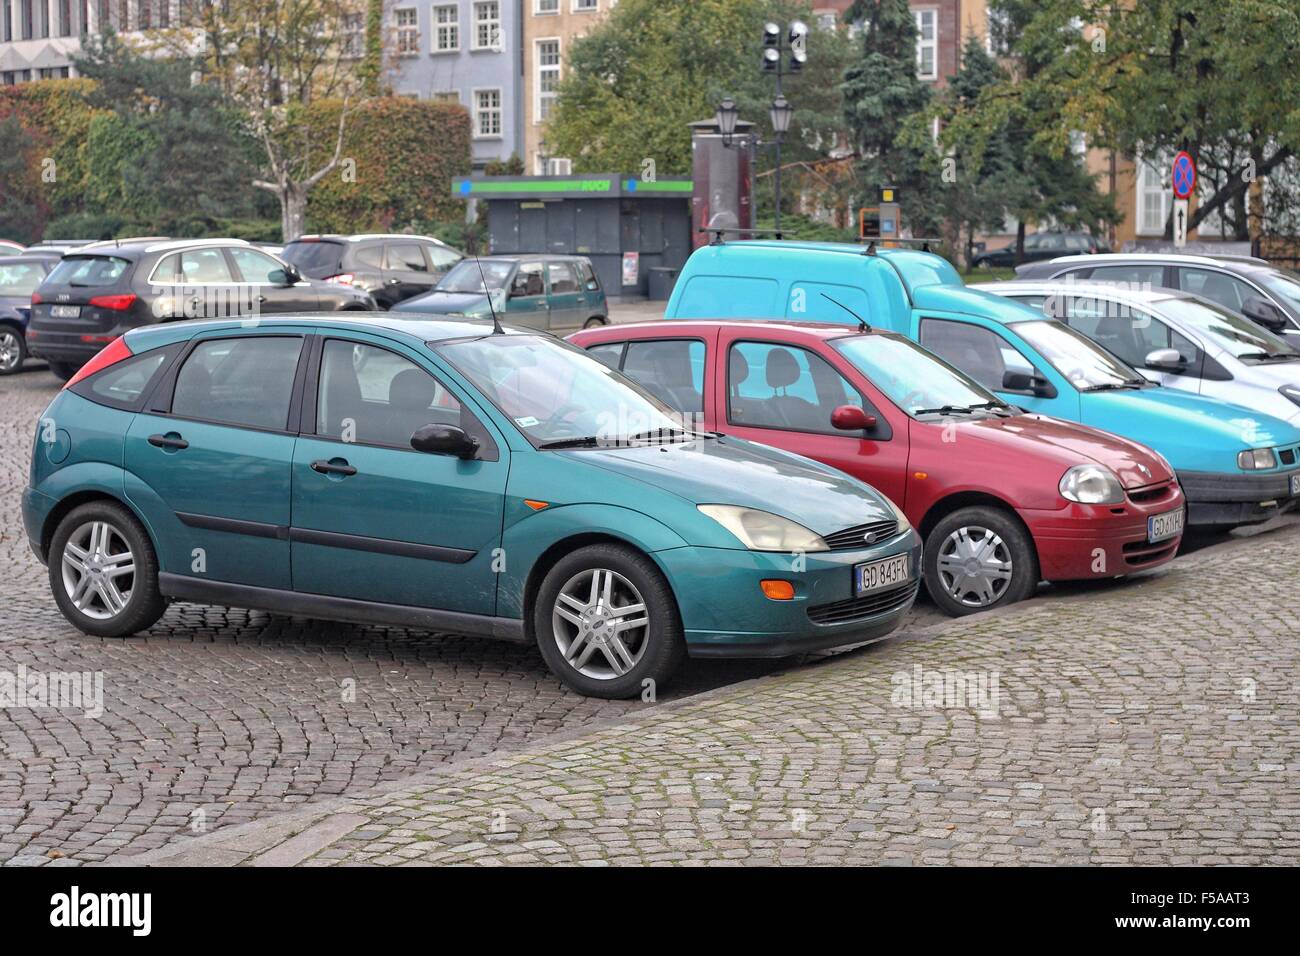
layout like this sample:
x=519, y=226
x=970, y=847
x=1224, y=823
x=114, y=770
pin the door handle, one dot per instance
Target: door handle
x=330, y=468
x=168, y=441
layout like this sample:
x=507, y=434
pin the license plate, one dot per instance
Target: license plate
x=878, y=575
x=1295, y=485
x=1167, y=525
x=65, y=311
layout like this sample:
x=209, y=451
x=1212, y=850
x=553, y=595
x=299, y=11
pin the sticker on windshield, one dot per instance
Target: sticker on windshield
x=528, y=421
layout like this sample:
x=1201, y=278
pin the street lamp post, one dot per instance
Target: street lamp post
x=784, y=52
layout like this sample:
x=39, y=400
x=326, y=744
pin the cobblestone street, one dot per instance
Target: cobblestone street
x=1148, y=722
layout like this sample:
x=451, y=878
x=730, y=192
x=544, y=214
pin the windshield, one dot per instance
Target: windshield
x=1285, y=284
x=554, y=392
x=20, y=278
x=88, y=271
x=320, y=260
x=465, y=276
x=1085, y=364
x=913, y=379
x=1240, y=336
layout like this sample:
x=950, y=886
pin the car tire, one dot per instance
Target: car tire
x=63, y=370
x=980, y=540
x=581, y=641
x=13, y=350
x=93, y=544
x=595, y=322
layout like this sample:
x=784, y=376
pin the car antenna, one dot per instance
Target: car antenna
x=496, y=325
x=862, y=323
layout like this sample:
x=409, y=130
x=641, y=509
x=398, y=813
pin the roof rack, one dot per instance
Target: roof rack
x=718, y=232
x=924, y=242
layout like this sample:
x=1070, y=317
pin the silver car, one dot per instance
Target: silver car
x=1177, y=339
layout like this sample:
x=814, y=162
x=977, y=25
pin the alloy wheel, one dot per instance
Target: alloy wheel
x=975, y=566
x=601, y=623
x=98, y=570
x=11, y=351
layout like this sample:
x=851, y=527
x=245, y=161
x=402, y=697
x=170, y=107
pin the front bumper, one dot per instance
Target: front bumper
x=1216, y=498
x=725, y=613
x=1104, y=541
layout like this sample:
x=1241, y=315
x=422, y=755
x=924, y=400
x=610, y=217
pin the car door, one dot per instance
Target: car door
x=526, y=302
x=1132, y=334
x=565, y=297
x=406, y=271
x=989, y=357
x=266, y=281
x=374, y=519
x=206, y=286
x=591, y=296
x=782, y=394
x=208, y=460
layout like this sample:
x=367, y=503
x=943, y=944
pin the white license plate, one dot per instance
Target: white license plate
x=1295, y=485
x=1167, y=525
x=65, y=311
x=878, y=575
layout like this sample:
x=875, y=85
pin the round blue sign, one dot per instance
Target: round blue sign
x=1184, y=171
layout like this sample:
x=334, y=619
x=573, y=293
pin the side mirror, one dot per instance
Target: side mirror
x=1028, y=382
x=1264, y=313
x=444, y=440
x=282, y=277
x=851, y=418
x=1165, y=359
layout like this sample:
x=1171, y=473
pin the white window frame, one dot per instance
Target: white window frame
x=931, y=44
x=414, y=48
x=444, y=96
x=437, y=27
x=537, y=75
x=1149, y=182
x=500, y=111
x=476, y=21
x=594, y=8
x=539, y=12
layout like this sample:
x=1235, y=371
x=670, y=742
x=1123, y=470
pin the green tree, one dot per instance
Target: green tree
x=22, y=209
x=372, y=62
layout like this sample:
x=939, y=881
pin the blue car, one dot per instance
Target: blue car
x=20, y=274
x=443, y=475
x=1236, y=464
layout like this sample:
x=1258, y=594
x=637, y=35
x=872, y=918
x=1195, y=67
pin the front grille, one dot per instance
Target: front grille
x=851, y=539
x=1151, y=493
x=856, y=609
x=1137, y=553
x=1288, y=456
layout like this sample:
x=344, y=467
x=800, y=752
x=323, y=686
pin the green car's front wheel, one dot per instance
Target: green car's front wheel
x=607, y=623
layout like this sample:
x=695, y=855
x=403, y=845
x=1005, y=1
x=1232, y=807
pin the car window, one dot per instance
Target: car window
x=88, y=271
x=314, y=257
x=372, y=256
x=239, y=381
x=442, y=257
x=255, y=266
x=781, y=386
x=1235, y=333
x=563, y=278
x=610, y=353
x=1217, y=287
x=167, y=270
x=1083, y=362
x=20, y=278
x=672, y=371
x=205, y=265
x=912, y=377
x=406, y=255
x=589, y=276
x=1136, y=276
x=979, y=352
x=126, y=381
x=1130, y=333
x=528, y=280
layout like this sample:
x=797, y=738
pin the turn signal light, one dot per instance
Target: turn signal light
x=778, y=590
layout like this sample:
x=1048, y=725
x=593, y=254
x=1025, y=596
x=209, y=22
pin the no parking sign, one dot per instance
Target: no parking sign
x=1184, y=177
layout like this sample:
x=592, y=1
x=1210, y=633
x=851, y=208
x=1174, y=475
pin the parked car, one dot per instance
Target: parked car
x=537, y=292
x=1175, y=339
x=1235, y=464
x=19, y=277
x=1002, y=499
x=8, y=246
x=402, y=472
x=1258, y=290
x=1041, y=245
x=99, y=291
x=390, y=267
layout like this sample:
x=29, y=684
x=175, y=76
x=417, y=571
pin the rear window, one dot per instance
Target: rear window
x=89, y=271
x=125, y=384
x=20, y=278
x=319, y=260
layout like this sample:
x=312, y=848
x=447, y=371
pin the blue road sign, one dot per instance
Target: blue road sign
x=1184, y=171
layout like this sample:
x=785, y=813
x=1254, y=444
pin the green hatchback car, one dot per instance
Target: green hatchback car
x=451, y=476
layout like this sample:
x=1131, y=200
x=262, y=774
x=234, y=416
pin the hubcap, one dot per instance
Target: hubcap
x=974, y=566
x=601, y=624
x=10, y=351
x=98, y=570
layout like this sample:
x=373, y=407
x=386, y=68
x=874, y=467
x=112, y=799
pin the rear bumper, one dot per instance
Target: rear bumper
x=67, y=346
x=725, y=614
x=1215, y=498
x=36, y=507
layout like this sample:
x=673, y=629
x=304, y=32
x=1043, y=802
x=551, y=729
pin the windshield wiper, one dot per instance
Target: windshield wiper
x=960, y=409
x=586, y=441
x=1114, y=386
x=1270, y=356
x=661, y=434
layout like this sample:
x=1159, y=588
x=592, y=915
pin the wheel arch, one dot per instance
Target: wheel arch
x=75, y=500
x=970, y=499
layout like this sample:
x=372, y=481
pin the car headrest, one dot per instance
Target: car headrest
x=411, y=389
x=738, y=368
x=782, y=368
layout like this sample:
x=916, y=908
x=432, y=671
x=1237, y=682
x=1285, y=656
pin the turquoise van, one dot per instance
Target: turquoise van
x=1236, y=464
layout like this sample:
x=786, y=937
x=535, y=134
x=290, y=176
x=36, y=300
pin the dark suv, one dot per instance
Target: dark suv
x=1041, y=245
x=390, y=267
x=97, y=292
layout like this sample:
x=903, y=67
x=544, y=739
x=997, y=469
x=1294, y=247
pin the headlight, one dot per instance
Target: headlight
x=761, y=531
x=1292, y=392
x=1255, y=459
x=1091, y=485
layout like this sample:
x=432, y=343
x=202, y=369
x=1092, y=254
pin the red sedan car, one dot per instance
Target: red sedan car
x=1002, y=498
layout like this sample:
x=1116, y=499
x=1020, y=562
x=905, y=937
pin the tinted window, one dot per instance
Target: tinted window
x=563, y=278
x=125, y=382
x=377, y=397
x=371, y=256
x=611, y=353
x=88, y=271
x=239, y=381
x=315, y=258
x=205, y=265
x=20, y=278
x=1217, y=287
x=406, y=256
x=778, y=386
x=1138, y=277
x=979, y=352
x=255, y=266
x=671, y=371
